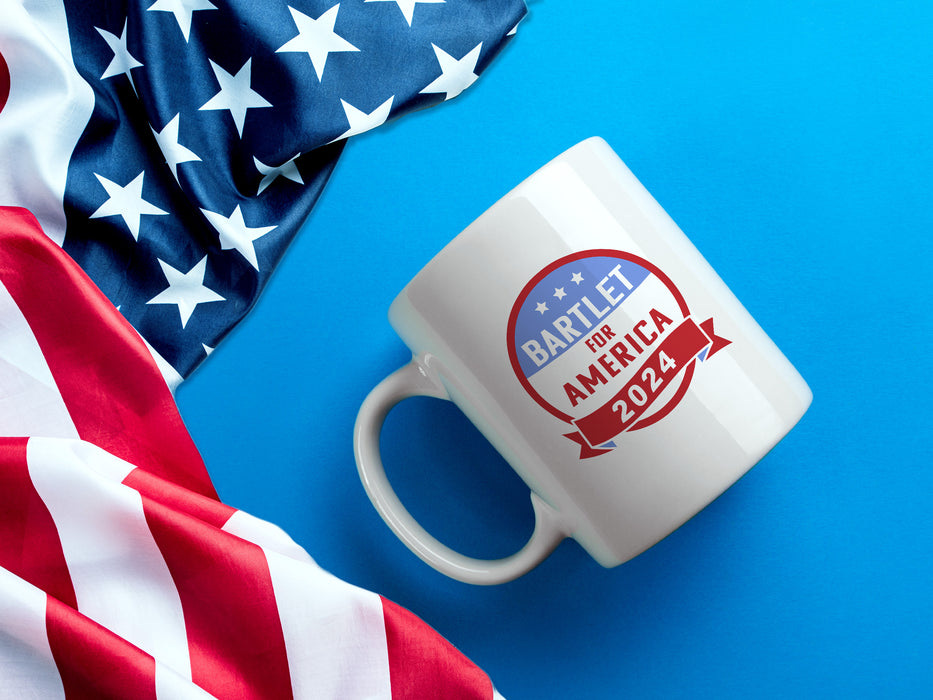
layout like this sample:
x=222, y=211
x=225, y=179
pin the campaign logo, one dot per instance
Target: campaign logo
x=605, y=341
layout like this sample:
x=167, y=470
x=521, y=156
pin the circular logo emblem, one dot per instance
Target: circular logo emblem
x=604, y=341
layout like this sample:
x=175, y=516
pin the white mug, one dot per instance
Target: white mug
x=589, y=341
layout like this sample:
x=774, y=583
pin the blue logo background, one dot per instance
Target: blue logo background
x=571, y=291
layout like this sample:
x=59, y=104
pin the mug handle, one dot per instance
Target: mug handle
x=414, y=380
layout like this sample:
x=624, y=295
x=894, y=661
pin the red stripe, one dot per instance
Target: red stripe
x=422, y=664
x=94, y=663
x=179, y=499
x=29, y=543
x=114, y=392
x=235, y=640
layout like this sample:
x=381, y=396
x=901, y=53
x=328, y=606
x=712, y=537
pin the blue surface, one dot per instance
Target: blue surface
x=792, y=143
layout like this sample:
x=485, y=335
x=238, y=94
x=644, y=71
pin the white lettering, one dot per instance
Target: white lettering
x=608, y=293
x=599, y=313
x=554, y=344
x=566, y=329
x=575, y=310
x=535, y=352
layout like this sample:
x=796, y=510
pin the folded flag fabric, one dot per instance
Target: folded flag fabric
x=121, y=573
x=156, y=159
x=174, y=147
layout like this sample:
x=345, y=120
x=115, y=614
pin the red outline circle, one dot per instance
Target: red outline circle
x=596, y=252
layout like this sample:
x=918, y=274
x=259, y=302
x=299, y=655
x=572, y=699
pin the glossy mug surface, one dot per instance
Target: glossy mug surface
x=592, y=344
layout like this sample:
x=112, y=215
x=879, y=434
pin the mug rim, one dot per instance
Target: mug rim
x=469, y=232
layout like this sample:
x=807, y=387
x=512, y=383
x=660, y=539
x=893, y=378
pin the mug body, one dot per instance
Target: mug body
x=592, y=344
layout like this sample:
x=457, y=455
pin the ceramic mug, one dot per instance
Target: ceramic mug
x=596, y=349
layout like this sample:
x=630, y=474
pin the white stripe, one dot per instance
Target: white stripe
x=120, y=578
x=30, y=403
x=334, y=632
x=171, y=686
x=169, y=374
x=47, y=110
x=27, y=668
x=267, y=535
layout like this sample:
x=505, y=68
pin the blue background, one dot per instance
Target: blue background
x=791, y=142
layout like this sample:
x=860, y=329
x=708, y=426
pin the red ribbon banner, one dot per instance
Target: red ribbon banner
x=630, y=403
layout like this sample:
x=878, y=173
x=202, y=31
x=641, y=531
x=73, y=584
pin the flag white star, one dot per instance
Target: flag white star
x=456, y=74
x=122, y=62
x=576, y=278
x=126, y=201
x=182, y=9
x=560, y=293
x=236, y=94
x=360, y=121
x=185, y=289
x=288, y=169
x=173, y=151
x=541, y=308
x=407, y=6
x=317, y=38
x=234, y=233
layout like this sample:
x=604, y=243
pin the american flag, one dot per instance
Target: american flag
x=175, y=147
x=156, y=159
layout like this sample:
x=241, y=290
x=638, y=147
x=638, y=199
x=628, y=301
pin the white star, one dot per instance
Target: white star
x=173, y=151
x=360, y=121
x=126, y=201
x=560, y=293
x=234, y=233
x=288, y=169
x=407, y=6
x=456, y=74
x=576, y=278
x=236, y=94
x=317, y=38
x=185, y=289
x=182, y=9
x=541, y=308
x=122, y=62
